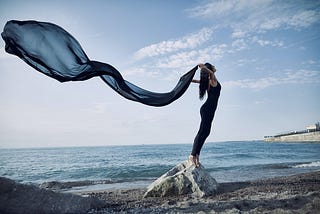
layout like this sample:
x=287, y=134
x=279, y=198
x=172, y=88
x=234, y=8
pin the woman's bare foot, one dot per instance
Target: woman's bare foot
x=193, y=159
x=197, y=160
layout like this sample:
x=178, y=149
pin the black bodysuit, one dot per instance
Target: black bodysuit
x=207, y=112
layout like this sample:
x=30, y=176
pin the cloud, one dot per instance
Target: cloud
x=239, y=44
x=238, y=33
x=264, y=43
x=192, y=58
x=249, y=20
x=225, y=8
x=244, y=62
x=172, y=65
x=141, y=71
x=187, y=42
x=300, y=20
x=245, y=16
x=297, y=77
x=304, y=18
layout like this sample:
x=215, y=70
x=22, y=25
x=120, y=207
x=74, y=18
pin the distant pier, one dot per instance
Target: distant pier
x=311, y=134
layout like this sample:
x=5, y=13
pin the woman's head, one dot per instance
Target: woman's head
x=204, y=80
x=211, y=67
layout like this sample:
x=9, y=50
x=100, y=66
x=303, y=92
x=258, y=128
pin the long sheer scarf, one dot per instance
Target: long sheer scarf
x=54, y=52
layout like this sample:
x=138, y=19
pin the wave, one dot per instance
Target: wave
x=307, y=165
x=286, y=165
x=255, y=167
x=277, y=166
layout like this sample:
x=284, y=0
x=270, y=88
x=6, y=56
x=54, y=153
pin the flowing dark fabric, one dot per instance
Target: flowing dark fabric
x=54, y=52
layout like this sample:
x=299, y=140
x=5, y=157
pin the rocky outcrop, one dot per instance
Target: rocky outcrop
x=58, y=186
x=22, y=198
x=183, y=179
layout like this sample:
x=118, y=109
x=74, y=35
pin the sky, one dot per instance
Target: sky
x=266, y=53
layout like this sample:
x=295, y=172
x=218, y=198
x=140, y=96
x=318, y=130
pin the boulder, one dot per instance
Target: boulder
x=183, y=179
x=22, y=198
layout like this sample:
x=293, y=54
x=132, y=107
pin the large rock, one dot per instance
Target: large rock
x=21, y=198
x=183, y=179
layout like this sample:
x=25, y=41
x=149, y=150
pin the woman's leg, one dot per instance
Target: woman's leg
x=203, y=133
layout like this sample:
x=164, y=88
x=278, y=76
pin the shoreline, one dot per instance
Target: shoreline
x=78, y=186
x=289, y=194
x=298, y=193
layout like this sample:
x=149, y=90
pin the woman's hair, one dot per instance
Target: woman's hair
x=208, y=65
x=204, y=80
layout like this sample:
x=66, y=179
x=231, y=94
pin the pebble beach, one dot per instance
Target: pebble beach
x=291, y=194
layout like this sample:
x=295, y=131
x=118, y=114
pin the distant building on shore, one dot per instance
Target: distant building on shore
x=310, y=134
x=313, y=128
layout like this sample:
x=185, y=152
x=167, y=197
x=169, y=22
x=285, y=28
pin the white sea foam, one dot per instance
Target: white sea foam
x=312, y=164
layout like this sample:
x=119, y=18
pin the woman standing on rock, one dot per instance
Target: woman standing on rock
x=207, y=83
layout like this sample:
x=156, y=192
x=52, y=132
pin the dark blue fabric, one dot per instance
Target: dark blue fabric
x=54, y=52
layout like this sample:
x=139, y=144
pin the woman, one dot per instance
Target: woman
x=207, y=83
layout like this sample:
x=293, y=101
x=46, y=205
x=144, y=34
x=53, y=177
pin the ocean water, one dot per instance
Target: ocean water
x=137, y=166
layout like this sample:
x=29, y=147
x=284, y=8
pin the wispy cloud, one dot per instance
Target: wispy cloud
x=292, y=77
x=163, y=66
x=240, y=44
x=244, y=62
x=141, y=71
x=187, y=42
x=245, y=16
x=191, y=58
x=248, y=20
x=263, y=42
x=224, y=8
x=299, y=20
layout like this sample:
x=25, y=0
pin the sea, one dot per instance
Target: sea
x=137, y=166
